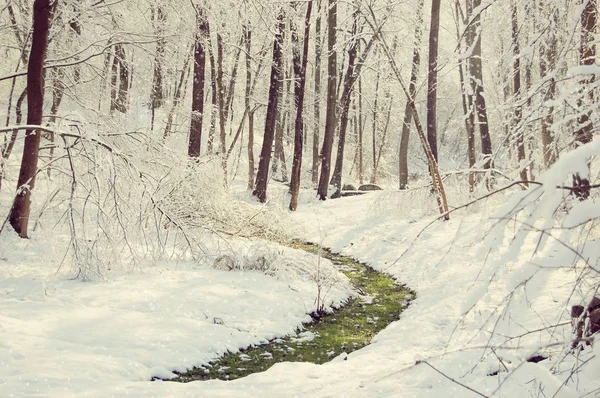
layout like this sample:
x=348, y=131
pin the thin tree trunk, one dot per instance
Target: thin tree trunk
x=548, y=52
x=412, y=89
x=19, y=213
x=467, y=104
x=262, y=176
x=214, y=93
x=7, y=150
x=375, y=110
x=476, y=79
x=199, y=78
x=317, y=105
x=517, y=128
x=350, y=77
x=361, y=129
x=179, y=93
x=248, y=47
x=157, y=96
x=299, y=89
x=331, y=100
x=587, y=56
x=434, y=33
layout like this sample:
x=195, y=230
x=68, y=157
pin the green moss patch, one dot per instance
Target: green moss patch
x=379, y=302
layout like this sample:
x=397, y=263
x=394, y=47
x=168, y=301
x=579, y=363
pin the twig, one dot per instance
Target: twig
x=451, y=379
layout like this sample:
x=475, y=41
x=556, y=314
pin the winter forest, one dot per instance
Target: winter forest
x=364, y=198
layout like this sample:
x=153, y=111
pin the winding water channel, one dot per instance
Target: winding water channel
x=379, y=302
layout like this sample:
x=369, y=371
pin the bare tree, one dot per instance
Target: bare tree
x=299, y=87
x=412, y=89
x=330, y=119
x=195, y=138
x=19, y=213
x=434, y=33
x=262, y=175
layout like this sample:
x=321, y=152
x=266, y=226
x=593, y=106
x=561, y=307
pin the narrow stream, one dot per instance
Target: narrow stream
x=380, y=302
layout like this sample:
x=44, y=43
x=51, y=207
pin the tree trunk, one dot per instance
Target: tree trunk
x=516, y=125
x=317, y=106
x=373, y=179
x=587, y=56
x=198, y=84
x=262, y=176
x=476, y=79
x=7, y=149
x=214, y=92
x=361, y=129
x=122, y=99
x=336, y=179
x=467, y=104
x=412, y=89
x=19, y=214
x=548, y=53
x=331, y=100
x=299, y=88
x=434, y=33
x=248, y=47
x=157, y=96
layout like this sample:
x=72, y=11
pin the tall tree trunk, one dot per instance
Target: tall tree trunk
x=317, y=105
x=587, y=56
x=516, y=125
x=248, y=48
x=361, y=129
x=434, y=33
x=198, y=84
x=179, y=92
x=331, y=100
x=349, y=79
x=221, y=95
x=299, y=88
x=476, y=79
x=467, y=104
x=214, y=92
x=157, y=96
x=412, y=89
x=19, y=213
x=262, y=175
x=548, y=53
x=374, y=112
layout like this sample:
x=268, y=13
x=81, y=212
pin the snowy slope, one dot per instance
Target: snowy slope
x=71, y=339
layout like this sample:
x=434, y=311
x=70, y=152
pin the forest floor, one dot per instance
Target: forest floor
x=60, y=337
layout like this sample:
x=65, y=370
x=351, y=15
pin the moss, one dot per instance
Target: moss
x=345, y=330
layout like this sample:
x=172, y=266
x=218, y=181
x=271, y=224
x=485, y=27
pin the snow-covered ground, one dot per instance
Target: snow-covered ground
x=67, y=338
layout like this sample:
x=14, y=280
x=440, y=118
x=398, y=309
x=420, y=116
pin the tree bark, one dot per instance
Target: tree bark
x=434, y=33
x=19, y=214
x=516, y=125
x=331, y=100
x=476, y=79
x=587, y=56
x=248, y=48
x=198, y=84
x=467, y=104
x=548, y=53
x=317, y=105
x=350, y=77
x=299, y=89
x=412, y=89
x=262, y=175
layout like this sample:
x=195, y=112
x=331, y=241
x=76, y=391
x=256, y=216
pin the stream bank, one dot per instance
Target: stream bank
x=378, y=302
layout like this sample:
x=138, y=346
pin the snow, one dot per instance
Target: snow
x=61, y=337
